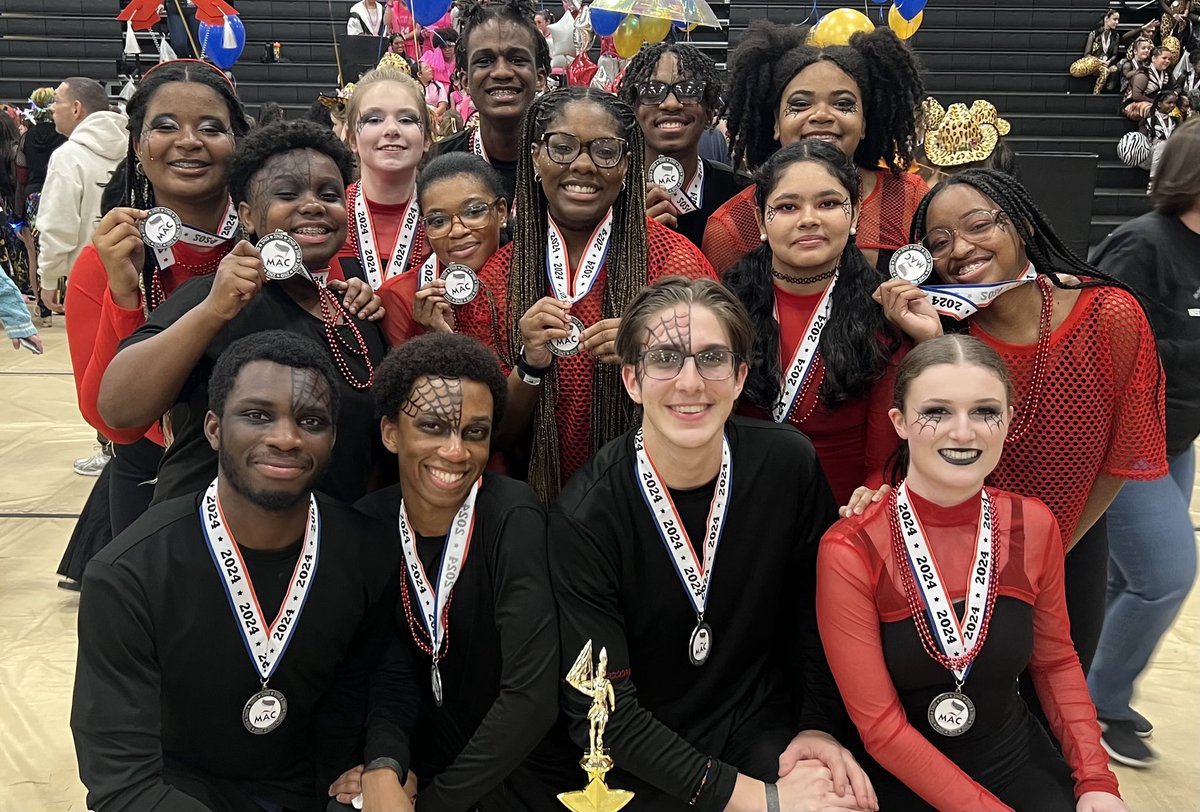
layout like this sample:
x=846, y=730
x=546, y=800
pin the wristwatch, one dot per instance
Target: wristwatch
x=387, y=763
x=530, y=374
x=772, y=797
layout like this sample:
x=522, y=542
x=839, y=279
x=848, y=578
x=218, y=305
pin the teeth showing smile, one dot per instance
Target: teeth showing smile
x=503, y=94
x=312, y=231
x=828, y=138
x=393, y=148
x=671, y=125
x=689, y=409
x=971, y=267
x=580, y=188
x=189, y=164
x=960, y=456
x=446, y=476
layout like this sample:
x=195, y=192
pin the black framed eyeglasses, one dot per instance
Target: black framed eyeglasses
x=712, y=365
x=687, y=91
x=473, y=216
x=563, y=148
x=976, y=227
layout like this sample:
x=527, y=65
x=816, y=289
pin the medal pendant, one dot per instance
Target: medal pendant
x=951, y=713
x=462, y=284
x=912, y=263
x=565, y=347
x=264, y=711
x=435, y=675
x=282, y=256
x=161, y=229
x=700, y=644
x=667, y=173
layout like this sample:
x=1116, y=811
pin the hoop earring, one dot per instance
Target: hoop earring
x=139, y=170
x=537, y=176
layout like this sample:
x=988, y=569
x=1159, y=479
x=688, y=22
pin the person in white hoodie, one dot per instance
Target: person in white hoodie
x=70, y=207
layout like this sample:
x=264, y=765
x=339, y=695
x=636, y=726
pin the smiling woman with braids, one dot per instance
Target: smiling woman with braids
x=551, y=301
x=864, y=98
x=1089, y=405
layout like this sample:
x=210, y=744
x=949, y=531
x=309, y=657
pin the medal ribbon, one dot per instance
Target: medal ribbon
x=428, y=272
x=477, y=144
x=201, y=238
x=572, y=285
x=959, y=640
x=692, y=198
x=806, y=352
x=454, y=558
x=368, y=253
x=960, y=301
x=265, y=644
x=695, y=575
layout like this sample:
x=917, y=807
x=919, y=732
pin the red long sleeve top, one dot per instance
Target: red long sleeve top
x=385, y=225
x=859, y=587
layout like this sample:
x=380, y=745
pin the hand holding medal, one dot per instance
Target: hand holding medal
x=238, y=280
x=572, y=284
x=282, y=257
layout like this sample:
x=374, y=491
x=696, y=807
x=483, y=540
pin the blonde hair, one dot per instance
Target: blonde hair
x=39, y=104
x=389, y=74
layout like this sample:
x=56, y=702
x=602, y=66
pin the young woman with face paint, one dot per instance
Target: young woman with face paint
x=288, y=177
x=937, y=706
x=864, y=98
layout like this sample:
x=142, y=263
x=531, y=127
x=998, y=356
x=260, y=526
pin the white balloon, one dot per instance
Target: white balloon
x=561, y=41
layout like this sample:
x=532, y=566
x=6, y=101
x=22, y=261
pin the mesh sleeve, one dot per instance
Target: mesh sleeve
x=732, y=231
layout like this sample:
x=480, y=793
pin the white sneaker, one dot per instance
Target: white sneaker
x=93, y=465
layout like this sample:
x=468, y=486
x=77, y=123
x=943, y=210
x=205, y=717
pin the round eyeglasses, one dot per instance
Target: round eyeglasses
x=564, y=148
x=473, y=216
x=975, y=228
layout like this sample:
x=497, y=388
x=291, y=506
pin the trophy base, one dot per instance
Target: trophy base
x=596, y=796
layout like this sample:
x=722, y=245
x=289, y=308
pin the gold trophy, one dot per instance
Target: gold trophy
x=596, y=796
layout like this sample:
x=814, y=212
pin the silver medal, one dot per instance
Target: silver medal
x=951, y=713
x=667, y=173
x=912, y=263
x=264, y=711
x=568, y=346
x=462, y=284
x=436, y=679
x=161, y=229
x=700, y=644
x=282, y=256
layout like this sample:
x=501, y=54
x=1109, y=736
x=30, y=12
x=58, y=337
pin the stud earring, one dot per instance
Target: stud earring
x=762, y=237
x=853, y=231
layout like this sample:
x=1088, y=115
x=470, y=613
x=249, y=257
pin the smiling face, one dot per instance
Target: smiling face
x=578, y=194
x=822, y=101
x=185, y=140
x=502, y=76
x=1162, y=61
x=955, y=419
x=442, y=438
x=301, y=192
x=998, y=255
x=1167, y=103
x=452, y=196
x=807, y=220
x=389, y=135
x=1141, y=51
x=672, y=127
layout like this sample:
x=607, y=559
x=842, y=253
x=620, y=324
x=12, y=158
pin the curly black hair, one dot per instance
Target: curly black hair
x=887, y=72
x=453, y=164
x=444, y=355
x=475, y=13
x=693, y=63
x=274, y=139
x=858, y=341
x=281, y=347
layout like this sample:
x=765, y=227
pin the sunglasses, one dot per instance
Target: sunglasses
x=687, y=91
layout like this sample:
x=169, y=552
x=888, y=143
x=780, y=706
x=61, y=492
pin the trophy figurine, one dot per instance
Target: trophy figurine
x=596, y=796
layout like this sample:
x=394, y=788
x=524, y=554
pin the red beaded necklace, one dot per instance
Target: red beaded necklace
x=158, y=294
x=414, y=627
x=338, y=346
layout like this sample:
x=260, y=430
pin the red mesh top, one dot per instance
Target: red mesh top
x=853, y=443
x=385, y=222
x=1100, y=410
x=670, y=255
x=884, y=219
x=859, y=587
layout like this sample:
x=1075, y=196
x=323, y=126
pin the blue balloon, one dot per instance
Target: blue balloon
x=212, y=42
x=428, y=12
x=909, y=9
x=604, y=23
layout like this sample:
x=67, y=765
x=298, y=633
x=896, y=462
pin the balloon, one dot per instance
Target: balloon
x=581, y=71
x=904, y=28
x=215, y=44
x=604, y=23
x=654, y=29
x=428, y=12
x=909, y=9
x=836, y=27
x=628, y=37
x=562, y=41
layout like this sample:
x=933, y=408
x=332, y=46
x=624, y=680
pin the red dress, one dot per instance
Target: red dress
x=887, y=680
x=884, y=219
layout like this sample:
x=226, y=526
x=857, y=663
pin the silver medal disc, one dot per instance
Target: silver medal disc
x=951, y=713
x=568, y=346
x=436, y=679
x=264, y=711
x=700, y=645
x=161, y=229
x=282, y=256
x=667, y=173
x=912, y=263
x=462, y=284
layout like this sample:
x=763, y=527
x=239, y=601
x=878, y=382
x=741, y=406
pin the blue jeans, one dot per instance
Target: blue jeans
x=1152, y=564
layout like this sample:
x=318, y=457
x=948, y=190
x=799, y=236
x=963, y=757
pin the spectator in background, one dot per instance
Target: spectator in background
x=958, y=139
x=366, y=19
x=440, y=56
x=14, y=315
x=41, y=139
x=405, y=30
x=270, y=112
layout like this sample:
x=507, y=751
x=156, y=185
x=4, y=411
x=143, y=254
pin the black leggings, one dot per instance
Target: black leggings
x=1086, y=579
x=132, y=466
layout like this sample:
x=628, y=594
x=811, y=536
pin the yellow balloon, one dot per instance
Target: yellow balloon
x=836, y=27
x=904, y=28
x=654, y=29
x=627, y=39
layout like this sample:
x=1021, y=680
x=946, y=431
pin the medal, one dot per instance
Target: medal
x=960, y=301
x=690, y=199
x=571, y=285
x=568, y=346
x=161, y=229
x=694, y=574
x=462, y=284
x=266, y=709
x=667, y=173
x=434, y=600
x=368, y=252
x=282, y=256
x=912, y=263
x=951, y=713
x=800, y=368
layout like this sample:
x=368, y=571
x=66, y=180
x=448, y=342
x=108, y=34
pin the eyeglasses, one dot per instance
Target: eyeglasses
x=979, y=226
x=655, y=92
x=712, y=365
x=473, y=216
x=564, y=148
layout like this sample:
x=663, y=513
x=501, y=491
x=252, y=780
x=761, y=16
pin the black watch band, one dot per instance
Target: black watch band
x=387, y=763
x=772, y=797
x=530, y=373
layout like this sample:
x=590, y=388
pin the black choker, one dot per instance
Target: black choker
x=805, y=280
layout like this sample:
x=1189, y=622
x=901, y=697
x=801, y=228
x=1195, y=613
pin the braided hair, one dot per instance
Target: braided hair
x=886, y=71
x=475, y=13
x=612, y=412
x=852, y=351
x=693, y=63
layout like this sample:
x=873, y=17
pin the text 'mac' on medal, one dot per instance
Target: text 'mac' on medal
x=462, y=284
x=700, y=644
x=951, y=713
x=667, y=173
x=912, y=263
x=161, y=229
x=264, y=711
x=282, y=256
x=568, y=346
x=435, y=679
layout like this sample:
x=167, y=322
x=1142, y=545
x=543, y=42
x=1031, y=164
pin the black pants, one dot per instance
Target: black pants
x=131, y=485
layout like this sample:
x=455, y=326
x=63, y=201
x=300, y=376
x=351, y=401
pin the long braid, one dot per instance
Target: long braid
x=625, y=275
